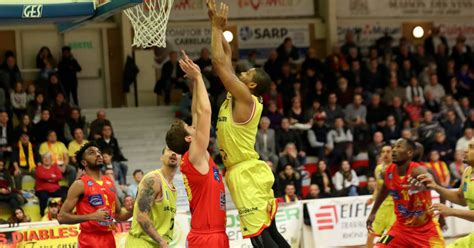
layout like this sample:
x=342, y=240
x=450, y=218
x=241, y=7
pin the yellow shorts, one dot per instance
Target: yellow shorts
x=465, y=242
x=250, y=185
x=384, y=219
x=134, y=242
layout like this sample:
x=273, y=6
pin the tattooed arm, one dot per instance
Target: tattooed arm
x=147, y=193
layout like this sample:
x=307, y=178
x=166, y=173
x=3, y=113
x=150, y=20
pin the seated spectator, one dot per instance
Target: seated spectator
x=273, y=96
x=120, y=169
x=40, y=129
x=128, y=202
x=333, y=109
x=469, y=123
x=346, y=180
x=9, y=71
x=339, y=142
x=406, y=73
x=322, y=178
x=439, y=168
x=398, y=111
x=449, y=104
x=391, y=132
x=75, y=120
x=97, y=126
x=18, y=100
x=285, y=135
x=6, y=135
x=370, y=188
x=393, y=90
x=109, y=142
x=319, y=93
x=291, y=156
x=414, y=110
x=312, y=194
x=25, y=159
x=51, y=213
x=25, y=126
x=428, y=128
x=76, y=144
x=356, y=114
x=374, y=149
x=289, y=195
x=7, y=193
x=272, y=65
x=274, y=115
x=287, y=52
x=431, y=104
x=18, y=216
x=47, y=185
x=109, y=172
x=455, y=89
x=457, y=169
x=54, y=87
x=435, y=88
x=443, y=147
x=413, y=90
x=465, y=105
x=313, y=110
x=265, y=142
x=61, y=111
x=133, y=187
x=317, y=136
x=462, y=143
x=298, y=118
x=376, y=113
x=59, y=156
x=343, y=92
x=35, y=108
x=289, y=176
x=452, y=126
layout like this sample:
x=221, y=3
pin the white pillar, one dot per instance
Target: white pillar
x=330, y=7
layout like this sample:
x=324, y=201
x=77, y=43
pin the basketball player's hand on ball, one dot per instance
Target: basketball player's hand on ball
x=100, y=215
x=218, y=18
x=427, y=180
x=192, y=70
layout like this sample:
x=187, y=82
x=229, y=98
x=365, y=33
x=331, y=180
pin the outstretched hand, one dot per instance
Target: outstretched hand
x=218, y=18
x=192, y=70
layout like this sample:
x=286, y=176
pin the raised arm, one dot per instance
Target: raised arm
x=201, y=116
x=222, y=55
x=73, y=195
x=147, y=193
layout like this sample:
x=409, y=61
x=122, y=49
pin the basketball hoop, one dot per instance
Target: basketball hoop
x=149, y=21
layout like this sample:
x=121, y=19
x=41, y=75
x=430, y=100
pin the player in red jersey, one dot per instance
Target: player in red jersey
x=415, y=225
x=202, y=180
x=95, y=201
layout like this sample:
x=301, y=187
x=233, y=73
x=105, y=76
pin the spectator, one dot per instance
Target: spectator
x=48, y=176
x=289, y=194
x=40, y=129
x=317, y=93
x=313, y=110
x=374, y=149
x=434, y=40
x=311, y=60
x=370, y=188
x=76, y=144
x=413, y=90
x=393, y=90
x=6, y=136
x=439, y=168
x=462, y=143
x=289, y=176
x=18, y=100
x=322, y=178
x=344, y=94
x=265, y=142
x=317, y=136
x=287, y=52
x=457, y=169
x=298, y=118
x=464, y=104
x=406, y=73
x=274, y=115
x=25, y=159
x=248, y=63
x=428, y=128
x=444, y=148
x=97, y=125
x=7, y=193
x=349, y=43
x=339, y=142
x=109, y=172
x=30, y=93
x=273, y=65
x=35, y=107
x=455, y=89
x=25, y=126
x=355, y=114
x=171, y=77
x=109, y=142
x=44, y=55
x=120, y=169
x=312, y=194
x=292, y=157
x=285, y=135
x=18, y=216
x=286, y=78
x=59, y=156
x=391, y=132
x=128, y=202
x=333, y=110
x=461, y=51
x=376, y=113
x=449, y=104
x=346, y=180
x=51, y=213
x=9, y=73
x=435, y=88
x=61, y=111
x=45, y=73
x=54, y=87
x=431, y=104
x=273, y=96
x=452, y=127
x=356, y=75
x=375, y=78
x=397, y=110
x=68, y=68
x=204, y=61
x=469, y=123
x=414, y=110
x=421, y=59
x=133, y=187
x=74, y=121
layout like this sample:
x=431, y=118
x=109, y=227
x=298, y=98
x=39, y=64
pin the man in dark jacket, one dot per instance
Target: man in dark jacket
x=109, y=142
x=171, y=76
x=68, y=69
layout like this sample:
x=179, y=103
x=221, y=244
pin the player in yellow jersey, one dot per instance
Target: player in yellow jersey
x=385, y=215
x=463, y=196
x=155, y=207
x=249, y=179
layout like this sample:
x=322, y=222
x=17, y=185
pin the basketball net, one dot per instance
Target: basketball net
x=149, y=21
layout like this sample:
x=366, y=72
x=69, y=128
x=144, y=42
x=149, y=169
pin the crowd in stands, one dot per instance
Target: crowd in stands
x=353, y=102
x=41, y=130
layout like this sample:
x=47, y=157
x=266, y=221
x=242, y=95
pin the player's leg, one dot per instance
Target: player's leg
x=92, y=239
x=264, y=240
x=396, y=237
x=210, y=240
x=277, y=237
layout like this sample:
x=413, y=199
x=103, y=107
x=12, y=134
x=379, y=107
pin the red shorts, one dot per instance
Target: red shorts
x=399, y=236
x=216, y=239
x=96, y=239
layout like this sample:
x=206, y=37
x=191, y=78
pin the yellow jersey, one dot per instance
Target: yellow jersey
x=468, y=188
x=237, y=140
x=379, y=176
x=162, y=212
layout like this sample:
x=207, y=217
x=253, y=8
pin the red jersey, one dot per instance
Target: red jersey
x=411, y=205
x=206, y=195
x=95, y=197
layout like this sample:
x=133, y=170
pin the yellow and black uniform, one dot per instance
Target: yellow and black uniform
x=249, y=179
x=468, y=191
x=162, y=215
x=385, y=216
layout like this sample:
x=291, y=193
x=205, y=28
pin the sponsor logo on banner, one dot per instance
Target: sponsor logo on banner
x=367, y=32
x=326, y=217
x=452, y=29
x=32, y=11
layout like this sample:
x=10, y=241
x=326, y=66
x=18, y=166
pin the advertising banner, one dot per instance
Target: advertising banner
x=367, y=32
